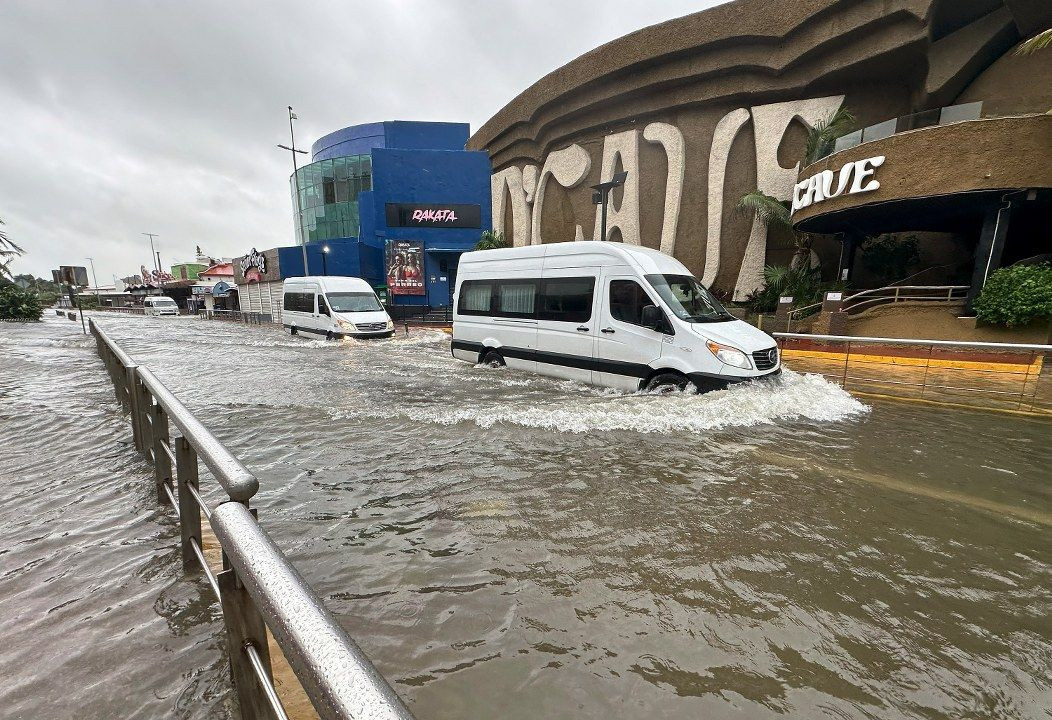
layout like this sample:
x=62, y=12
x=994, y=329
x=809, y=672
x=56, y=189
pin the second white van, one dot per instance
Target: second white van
x=620, y=316
x=333, y=307
x=159, y=305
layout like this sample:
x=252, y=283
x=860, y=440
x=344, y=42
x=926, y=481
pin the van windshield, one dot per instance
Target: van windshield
x=348, y=302
x=689, y=299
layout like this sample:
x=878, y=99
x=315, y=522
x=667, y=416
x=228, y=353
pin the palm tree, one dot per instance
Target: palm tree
x=775, y=213
x=1039, y=41
x=490, y=240
x=823, y=134
x=8, y=251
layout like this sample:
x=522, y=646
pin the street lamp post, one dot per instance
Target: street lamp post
x=153, y=254
x=601, y=196
x=324, y=261
x=293, y=150
x=95, y=279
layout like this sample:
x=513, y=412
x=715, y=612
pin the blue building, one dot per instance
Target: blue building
x=395, y=203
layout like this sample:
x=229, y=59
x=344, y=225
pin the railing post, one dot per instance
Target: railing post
x=145, y=427
x=162, y=464
x=244, y=625
x=189, y=512
x=131, y=382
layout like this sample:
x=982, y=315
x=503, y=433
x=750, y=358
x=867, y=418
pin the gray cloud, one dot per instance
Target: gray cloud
x=126, y=117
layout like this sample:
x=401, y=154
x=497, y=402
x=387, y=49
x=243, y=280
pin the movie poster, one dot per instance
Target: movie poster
x=405, y=267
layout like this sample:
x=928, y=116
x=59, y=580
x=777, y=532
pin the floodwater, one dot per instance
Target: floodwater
x=507, y=546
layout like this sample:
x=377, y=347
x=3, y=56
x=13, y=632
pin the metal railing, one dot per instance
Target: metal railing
x=241, y=316
x=258, y=589
x=902, y=293
x=1010, y=376
x=125, y=309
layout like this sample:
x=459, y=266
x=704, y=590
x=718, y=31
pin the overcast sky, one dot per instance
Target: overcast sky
x=119, y=118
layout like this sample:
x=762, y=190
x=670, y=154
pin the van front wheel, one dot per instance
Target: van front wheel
x=667, y=382
x=292, y=330
x=493, y=359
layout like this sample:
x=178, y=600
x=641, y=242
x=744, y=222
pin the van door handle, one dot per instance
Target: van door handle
x=609, y=331
x=582, y=329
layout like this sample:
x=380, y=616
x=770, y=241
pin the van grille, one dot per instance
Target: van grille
x=765, y=359
x=371, y=327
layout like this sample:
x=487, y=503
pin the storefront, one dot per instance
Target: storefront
x=396, y=203
x=707, y=108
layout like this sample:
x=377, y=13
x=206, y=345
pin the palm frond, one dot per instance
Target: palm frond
x=1038, y=42
x=823, y=134
x=9, y=250
x=490, y=240
x=768, y=210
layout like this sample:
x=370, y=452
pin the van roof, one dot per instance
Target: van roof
x=330, y=283
x=644, y=258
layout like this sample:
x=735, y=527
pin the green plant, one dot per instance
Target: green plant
x=19, y=304
x=1016, y=295
x=8, y=251
x=803, y=284
x=490, y=240
x=823, y=134
x=1041, y=40
x=889, y=257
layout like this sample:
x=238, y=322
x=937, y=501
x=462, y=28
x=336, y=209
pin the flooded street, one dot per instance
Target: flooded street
x=508, y=546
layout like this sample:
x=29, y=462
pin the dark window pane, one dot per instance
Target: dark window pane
x=329, y=191
x=568, y=299
x=627, y=300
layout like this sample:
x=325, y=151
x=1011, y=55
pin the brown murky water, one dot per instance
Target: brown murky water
x=507, y=546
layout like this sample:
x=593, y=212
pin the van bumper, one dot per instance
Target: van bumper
x=706, y=382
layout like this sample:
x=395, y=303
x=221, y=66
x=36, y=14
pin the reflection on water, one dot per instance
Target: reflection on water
x=504, y=545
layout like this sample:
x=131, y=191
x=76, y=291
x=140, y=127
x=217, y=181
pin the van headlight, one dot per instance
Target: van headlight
x=345, y=325
x=729, y=355
x=390, y=324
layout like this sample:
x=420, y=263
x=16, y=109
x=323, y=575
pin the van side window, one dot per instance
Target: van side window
x=323, y=307
x=627, y=300
x=516, y=298
x=568, y=299
x=475, y=297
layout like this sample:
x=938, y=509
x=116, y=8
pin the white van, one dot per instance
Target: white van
x=159, y=305
x=609, y=314
x=335, y=307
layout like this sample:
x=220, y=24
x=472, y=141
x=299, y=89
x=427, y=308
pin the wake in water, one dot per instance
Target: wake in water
x=792, y=396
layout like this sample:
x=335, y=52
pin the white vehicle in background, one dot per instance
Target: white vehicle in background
x=620, y=316
x=333, y=307
x=159, y=305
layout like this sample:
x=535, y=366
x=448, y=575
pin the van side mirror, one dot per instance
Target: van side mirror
x=652, y=317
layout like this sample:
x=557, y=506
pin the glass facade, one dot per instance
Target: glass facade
x=328, y=196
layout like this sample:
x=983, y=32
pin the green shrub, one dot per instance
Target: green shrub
x=1016, y=295
x=18, y=304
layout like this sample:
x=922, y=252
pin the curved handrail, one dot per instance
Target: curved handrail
x=333, y=670
x=239, y=483
x=916, y=341
x=904, y=287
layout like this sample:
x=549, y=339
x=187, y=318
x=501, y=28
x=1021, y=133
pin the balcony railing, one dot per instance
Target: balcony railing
x=915, y=121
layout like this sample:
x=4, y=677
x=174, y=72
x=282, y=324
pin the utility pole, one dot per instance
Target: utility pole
x=153, y=253
x=95, y=279
x=296, y=184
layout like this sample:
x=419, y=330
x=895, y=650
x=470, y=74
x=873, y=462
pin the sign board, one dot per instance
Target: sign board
x=405, y=267
x=449, y=216
x=256, y=260
x=785, y=299
x=853, y=178
x=73, y=275
x=834, y=296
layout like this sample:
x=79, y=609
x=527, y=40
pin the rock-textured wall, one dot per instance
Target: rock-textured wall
x=702, y=109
